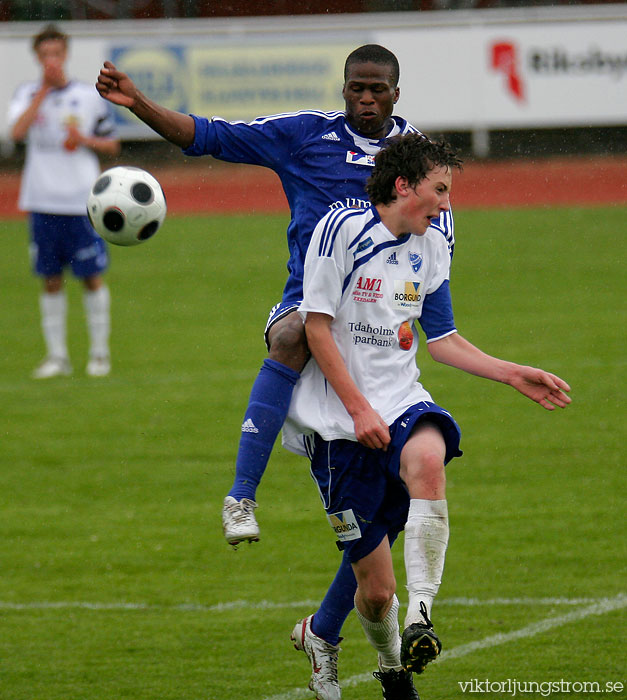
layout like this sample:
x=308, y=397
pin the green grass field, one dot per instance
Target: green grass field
x=115, y=579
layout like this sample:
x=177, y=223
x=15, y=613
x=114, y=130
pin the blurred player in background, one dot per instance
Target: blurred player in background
x=64, y=125
x=323, y=160
x=377, y=442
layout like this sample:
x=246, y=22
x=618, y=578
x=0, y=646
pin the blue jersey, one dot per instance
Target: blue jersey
x=323, y=164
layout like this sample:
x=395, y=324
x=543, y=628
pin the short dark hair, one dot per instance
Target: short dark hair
x=410, y=156
x=51, y=31
x=373, y=53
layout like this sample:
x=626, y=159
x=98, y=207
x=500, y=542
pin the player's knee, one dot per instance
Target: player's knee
x=53, y=285
x=287, y=342
x=425, y=477
x=377, y=598
x=93, y=284
x=431, y=465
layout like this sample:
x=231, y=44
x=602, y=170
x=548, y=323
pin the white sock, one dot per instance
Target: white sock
x=53, y=309
x=426, y=539
x=385, y=637
x=97, y=305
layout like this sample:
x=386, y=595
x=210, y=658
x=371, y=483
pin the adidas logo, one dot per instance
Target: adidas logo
x=392, y=260
x=331, y=137
x=249, y=427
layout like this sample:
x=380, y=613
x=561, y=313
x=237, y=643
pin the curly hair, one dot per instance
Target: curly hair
x=410, y=156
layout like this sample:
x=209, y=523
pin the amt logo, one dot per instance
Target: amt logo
x=369, y=284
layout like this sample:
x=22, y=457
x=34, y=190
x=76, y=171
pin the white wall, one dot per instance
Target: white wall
x=554, y=66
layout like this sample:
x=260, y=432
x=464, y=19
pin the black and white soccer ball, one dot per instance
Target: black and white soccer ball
x=126, y=205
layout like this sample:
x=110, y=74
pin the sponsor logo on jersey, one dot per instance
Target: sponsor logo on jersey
x=249, y=427
x=416, y=261
x=368, y=289
x=344, y=525
x=332, y=136
x=359, y=158
x=365, y=334
x=405, y=336
x=364, y=245
x=407, y=294
x=392, y=260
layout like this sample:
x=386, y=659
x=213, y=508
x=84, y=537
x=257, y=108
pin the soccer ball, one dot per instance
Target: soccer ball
x=126, y=205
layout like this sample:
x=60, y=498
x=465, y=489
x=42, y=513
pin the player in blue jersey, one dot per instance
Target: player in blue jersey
x=65, y=127
x=378, y=444
x=323, y=160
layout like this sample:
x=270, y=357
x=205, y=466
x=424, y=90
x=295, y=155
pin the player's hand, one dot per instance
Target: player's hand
x=116, y=86
x=542, y=387
x=371, y=430
x=53, y=74
x=74, y=138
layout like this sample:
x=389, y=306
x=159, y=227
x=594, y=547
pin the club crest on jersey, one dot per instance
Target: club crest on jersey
x=416, y=261
x=344, y=525
x=407, y=294
x=359, y=158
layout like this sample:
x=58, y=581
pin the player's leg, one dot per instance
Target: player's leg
x=426, y=539
x=376, y=606
x=89, y=260
x=336, y=605
x=265, y=414
x=97, y=303
x=353, y=486
x=48, y=263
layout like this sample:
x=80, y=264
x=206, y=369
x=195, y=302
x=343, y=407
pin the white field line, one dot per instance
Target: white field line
x=271, y=605
x=593, y=606
x=600, y=607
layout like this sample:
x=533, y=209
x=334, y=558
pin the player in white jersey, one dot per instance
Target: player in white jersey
x=64, y=125
x=378, y=444
x=323, y=160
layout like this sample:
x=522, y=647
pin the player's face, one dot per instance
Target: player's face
x=52, y=50
x=427, y=200
x=370, y=96
x=52, y=54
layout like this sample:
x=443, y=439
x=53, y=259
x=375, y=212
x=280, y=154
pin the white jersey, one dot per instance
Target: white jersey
x=55, y=180
x=374, y=286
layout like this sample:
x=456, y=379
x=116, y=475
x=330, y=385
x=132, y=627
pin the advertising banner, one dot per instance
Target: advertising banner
x=236, y=82
x=467, y=71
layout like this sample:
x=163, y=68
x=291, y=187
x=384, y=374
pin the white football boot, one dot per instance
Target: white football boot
x=323, y=658
x=52, y=367
x=238, y=521
x=98, y=367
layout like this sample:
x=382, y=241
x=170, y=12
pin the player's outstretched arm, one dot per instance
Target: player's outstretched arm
x=542, y=387
x=370, y=429
x=118, y=88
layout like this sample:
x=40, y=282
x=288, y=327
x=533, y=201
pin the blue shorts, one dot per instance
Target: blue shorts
x=58, y=241
x=361, y=490
x=277, y=313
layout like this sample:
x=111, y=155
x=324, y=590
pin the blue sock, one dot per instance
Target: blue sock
x=267, y=409
x=337, y=604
